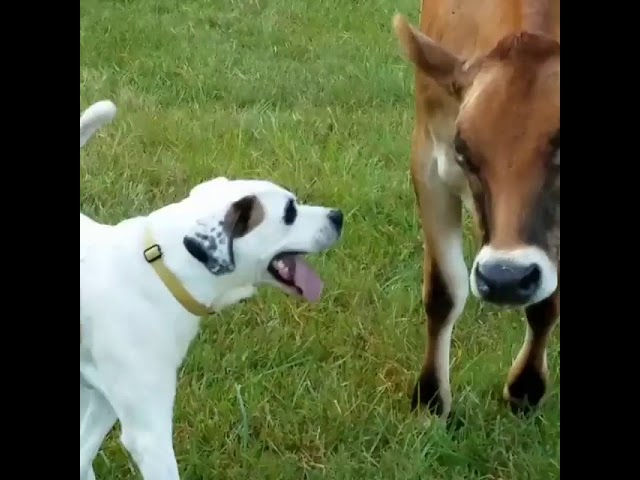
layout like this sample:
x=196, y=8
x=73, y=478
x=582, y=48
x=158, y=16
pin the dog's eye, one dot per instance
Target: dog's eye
x=290, y=213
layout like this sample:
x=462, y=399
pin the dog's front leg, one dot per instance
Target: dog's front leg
x=144, y=404
x=96, y=420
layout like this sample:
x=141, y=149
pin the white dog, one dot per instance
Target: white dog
x=145, y=283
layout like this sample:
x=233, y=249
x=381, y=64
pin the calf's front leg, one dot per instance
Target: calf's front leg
x=445, y=279
x=527, y=380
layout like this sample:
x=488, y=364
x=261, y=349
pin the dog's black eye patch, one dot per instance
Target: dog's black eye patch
x=290, y=213
x=196, y=250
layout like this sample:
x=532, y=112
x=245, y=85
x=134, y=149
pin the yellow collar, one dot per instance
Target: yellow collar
x=153, y=256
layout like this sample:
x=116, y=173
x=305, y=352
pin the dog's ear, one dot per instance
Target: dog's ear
x=211, y=242
x=243, y=216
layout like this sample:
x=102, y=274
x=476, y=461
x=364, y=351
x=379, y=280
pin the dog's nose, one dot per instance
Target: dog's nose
x=507, y=283
x=337, y=219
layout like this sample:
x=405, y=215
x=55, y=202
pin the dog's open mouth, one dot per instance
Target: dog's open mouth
x=294, y=274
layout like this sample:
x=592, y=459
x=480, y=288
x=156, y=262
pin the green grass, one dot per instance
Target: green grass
x=315, y=96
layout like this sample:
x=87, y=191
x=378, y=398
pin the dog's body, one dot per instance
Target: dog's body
x=221, y=243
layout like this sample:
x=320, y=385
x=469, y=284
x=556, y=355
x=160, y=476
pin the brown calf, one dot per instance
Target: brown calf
x=487, y=135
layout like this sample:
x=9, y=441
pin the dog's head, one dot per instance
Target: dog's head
x=255, y=232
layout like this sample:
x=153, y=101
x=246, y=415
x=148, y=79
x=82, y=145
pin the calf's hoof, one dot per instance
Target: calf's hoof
x=428, y=394
x=526, y=390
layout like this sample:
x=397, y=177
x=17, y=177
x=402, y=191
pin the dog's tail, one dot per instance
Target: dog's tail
x=94, y=117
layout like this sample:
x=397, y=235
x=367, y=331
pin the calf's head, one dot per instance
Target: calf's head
x=507, y=142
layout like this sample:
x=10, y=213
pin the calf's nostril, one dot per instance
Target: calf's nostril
x=507, y=282
x=482, y=283
x=530, y=279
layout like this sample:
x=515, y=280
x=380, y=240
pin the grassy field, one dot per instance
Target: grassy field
x=315, y=96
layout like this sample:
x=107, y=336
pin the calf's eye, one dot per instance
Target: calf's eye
x=555, y=149
x=461, y=154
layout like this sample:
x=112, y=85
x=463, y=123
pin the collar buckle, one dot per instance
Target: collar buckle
x=152, y=253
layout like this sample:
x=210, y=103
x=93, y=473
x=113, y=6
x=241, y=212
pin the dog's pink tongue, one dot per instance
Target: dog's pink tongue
x=307, y=280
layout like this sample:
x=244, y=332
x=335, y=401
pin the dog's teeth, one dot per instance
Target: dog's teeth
x=282, y=268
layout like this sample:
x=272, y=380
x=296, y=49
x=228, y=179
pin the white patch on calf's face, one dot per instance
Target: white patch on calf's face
x=448, y=169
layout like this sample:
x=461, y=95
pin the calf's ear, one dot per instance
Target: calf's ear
x=449, y=71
